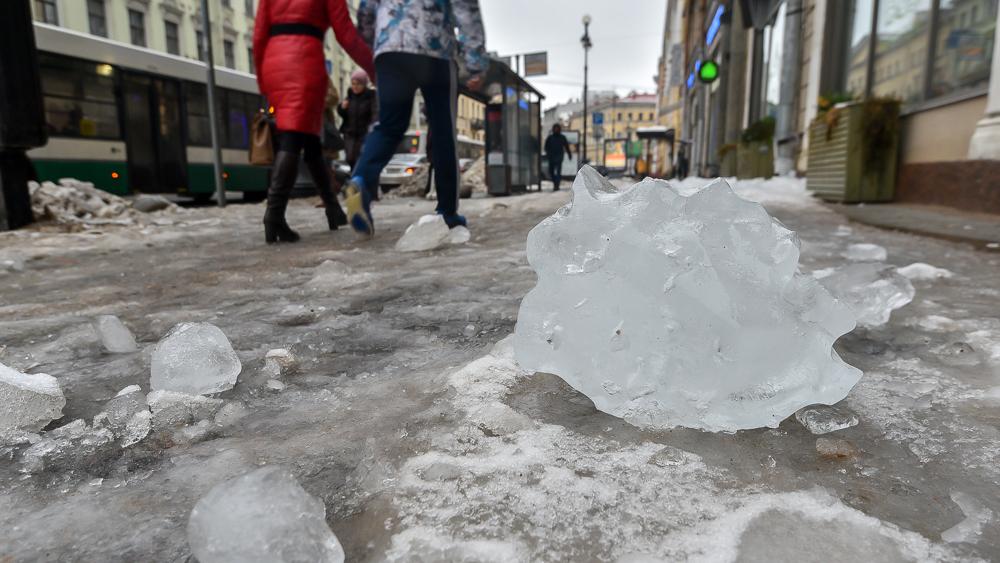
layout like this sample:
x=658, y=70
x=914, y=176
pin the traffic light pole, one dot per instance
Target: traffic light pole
x=213, y=123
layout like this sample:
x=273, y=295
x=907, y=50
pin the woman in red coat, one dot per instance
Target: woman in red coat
x=291, y=73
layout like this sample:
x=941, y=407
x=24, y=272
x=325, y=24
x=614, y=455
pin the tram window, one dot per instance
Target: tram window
x=79, y=97
x=237, y=120
x=197, y=114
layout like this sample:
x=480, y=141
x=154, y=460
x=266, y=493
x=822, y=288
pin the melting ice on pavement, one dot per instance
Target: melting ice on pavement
x=194, y=358
x=693, y=311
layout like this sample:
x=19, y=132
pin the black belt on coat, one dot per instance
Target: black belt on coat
x=296, y=29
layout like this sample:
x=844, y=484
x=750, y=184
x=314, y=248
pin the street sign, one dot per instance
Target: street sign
x=598, y=118
x=536, y=64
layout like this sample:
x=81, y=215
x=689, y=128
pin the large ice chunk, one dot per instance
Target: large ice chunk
x=872, y=289
x=28, y=401
x=428, y=233
x=114, y=335
x=668, y=309
x=264, y=515
x=194, y=358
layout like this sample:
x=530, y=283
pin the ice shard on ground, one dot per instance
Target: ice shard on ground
x=679, y=310
x=194, y=358
x=28, y=401
x=264, y=515
x=873, y=290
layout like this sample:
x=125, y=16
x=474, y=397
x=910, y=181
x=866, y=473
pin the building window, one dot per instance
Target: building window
x=79, y=97
x=46, y=11
x=137, y=27
x=227, y=3
x=230, y=53
x=199, y=40
x=250, y=60
x=249, y=7
x=98, y=18
x=172, y=35
x=923, y=48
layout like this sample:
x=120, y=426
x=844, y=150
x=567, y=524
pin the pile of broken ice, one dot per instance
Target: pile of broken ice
x=668, y=309
x=430, y=232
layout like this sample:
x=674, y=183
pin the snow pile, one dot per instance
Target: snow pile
x=194, y=358
x=865, y=252
x=430, y=232
x=114, y=335
x=670, y=310
x=474, y=178
x=413, y=186
x=75, y=203
x=28, y=401
x=871, y=289
x=264, y=515
x=922, y=271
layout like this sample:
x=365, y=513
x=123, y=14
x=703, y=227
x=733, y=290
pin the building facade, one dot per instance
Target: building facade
x=777, y=58
x=620, y=118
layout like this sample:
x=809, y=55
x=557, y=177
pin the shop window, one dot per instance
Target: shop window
x=964, y=53
x=903, y=29
x=857, y=50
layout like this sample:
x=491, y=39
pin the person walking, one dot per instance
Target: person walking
x=416, y=47
x=555, y=145
x=357, y=112
x=291, y=74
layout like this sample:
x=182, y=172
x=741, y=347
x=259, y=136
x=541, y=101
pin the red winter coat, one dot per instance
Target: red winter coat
x=291, y=69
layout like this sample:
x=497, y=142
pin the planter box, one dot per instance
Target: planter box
x=838, y=170
x=754, y=160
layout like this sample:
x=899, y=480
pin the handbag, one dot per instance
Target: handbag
x=262, y=140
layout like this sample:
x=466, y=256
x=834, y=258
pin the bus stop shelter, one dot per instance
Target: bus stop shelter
x=513, y=130
x=656, y=155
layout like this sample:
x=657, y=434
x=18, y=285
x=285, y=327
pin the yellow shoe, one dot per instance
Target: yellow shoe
x=359, y=217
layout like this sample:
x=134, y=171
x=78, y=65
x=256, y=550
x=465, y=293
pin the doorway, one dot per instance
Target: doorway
x=153, y=134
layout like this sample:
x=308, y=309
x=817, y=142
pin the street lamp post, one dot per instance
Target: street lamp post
x=585, y=41
x=213, y=124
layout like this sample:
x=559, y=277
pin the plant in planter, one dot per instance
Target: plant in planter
x=755, y=152
x=852, y=151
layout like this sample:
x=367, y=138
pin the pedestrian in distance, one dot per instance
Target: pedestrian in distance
x=555, y=145
x=357, y=111
x=416, y=46
x=291, y=74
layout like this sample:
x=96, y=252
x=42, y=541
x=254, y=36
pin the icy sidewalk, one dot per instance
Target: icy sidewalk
x=418, y=440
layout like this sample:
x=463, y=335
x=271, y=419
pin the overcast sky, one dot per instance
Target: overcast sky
x=626, y=35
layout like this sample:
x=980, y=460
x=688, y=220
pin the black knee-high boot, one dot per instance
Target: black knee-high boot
x=320, y=172
x=276, y=229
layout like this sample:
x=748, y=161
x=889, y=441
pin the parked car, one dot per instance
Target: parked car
x=400, y=168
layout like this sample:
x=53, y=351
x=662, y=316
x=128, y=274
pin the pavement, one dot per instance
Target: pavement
x=979, y=229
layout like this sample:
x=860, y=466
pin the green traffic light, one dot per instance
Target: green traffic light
x=708, y=72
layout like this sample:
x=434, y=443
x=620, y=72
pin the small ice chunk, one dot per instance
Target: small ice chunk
x=171, y=408
x=970, y=528
x=74, y=445
x=230, y=413
x=690, y=295
x=922, y=271
x=843, y=231
x=823, y=419
x=194, y=358
x=428, y=233
x=137, y=428
x=28, y=401
x=120, y=409
x=872, y=290
x=865, y=252
x=11, y=264
x=114, y=335
x=194, y=433
x=459, y=235
x=275, y=385
x=835, y=448
x=297, y=315
x=497, y=419
x=148, y=203
x=264, y=515
x=280, y=363
x=470, y=330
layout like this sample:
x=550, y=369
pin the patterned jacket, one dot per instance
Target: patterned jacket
x=426, y=27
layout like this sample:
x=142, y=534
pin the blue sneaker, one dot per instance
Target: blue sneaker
x=455, y=220
x=358, y=209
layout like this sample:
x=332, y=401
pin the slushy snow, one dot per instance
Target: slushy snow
x=691, y=310
x=264, y=515
x=922, y=271
x=871, y=289
x=865, y=252
x=114, y=335
x=428, y=233
x=28, y=401
x=194, y=358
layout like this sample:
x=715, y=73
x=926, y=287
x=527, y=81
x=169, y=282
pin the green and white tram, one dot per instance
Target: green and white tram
x=131, y=119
